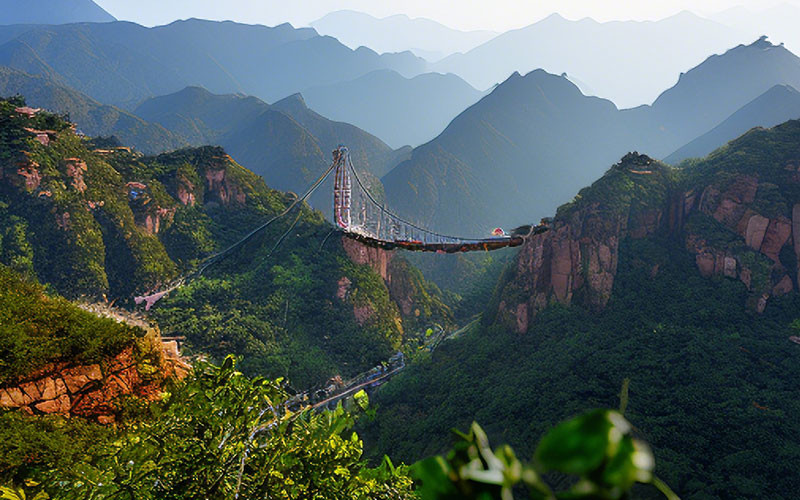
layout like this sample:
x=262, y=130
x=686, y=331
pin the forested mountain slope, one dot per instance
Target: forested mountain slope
x=682, y=280
x=123, y=63
x=93, y=119
x=98, y=222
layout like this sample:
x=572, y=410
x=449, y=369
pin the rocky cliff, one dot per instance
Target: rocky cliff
x=736, y=212
x=417, y=302
x=97, y=391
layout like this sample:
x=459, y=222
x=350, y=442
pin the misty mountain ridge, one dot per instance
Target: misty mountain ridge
x=628, y=62
x=286, y=143
x=712, y=91
x=426, y=38
x=124, y=63
x=504, y=160
x=399, y=110
x=526, y=147
x=777, y=105
x=52, y=12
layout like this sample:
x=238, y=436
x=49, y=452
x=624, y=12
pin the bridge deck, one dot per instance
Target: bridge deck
x=418, y=246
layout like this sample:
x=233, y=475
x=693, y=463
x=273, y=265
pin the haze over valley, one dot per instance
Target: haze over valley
x=281, y=250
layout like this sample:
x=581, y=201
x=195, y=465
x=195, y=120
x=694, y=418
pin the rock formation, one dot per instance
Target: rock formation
x=92, y=391
x=727, y=223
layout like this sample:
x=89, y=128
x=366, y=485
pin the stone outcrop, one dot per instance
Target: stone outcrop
x=220, y=188
x=576, y=258
x=75, y=169
x=376, y=258
x=92, y=391
x=733, y=206
x=405, y=284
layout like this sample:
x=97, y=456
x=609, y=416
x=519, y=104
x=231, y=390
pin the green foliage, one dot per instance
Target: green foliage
x=636, y=182
x=30, y=446
x=15, y=250
x=281, y=310
x=222, y=435
x=276, y=306
x=701, y=370
x=597, y=447
x=36, y=328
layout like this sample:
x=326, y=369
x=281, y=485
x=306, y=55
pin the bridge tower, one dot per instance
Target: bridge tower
x=342, y=188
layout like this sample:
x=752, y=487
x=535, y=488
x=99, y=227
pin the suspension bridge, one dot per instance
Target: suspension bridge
x=361, y=217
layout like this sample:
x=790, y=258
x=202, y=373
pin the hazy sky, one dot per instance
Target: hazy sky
x=498, y=15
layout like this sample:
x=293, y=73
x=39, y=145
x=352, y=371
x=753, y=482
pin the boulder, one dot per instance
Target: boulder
x=79, y=377
x=61, y=405
x=705, y=264
x=776, y=235
x=47, y=388
x=756, y=228
x=783, y=287
x=31, y=390
x=730, y=267
x=13, y=397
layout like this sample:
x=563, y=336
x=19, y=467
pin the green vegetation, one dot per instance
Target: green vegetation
x=635, y=183
x=222, y=435
x=217, y=435
x=129, y=224
x=597, y=446
x=702, y=369
x=37, y=328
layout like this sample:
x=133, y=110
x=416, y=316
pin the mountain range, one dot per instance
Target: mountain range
x=627, y=62
x=776, y=20
x=52, y=12
x=287, y=144
x=532, y=142
x=523, y=147
x=399, y=110
x=123, y=63
x=426, y=38
x=779, y=104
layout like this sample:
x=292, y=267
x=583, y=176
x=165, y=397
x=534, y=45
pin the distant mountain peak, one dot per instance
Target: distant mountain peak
x=295, y=101
x=555, y=16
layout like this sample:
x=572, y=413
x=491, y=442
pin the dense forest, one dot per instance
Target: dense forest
x=217, y=433
x=703, y=363
x=92, y=218
x=687, y=333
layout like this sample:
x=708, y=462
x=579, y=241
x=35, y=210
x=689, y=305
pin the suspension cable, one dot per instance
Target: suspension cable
x=392, y=215
x=218, y=256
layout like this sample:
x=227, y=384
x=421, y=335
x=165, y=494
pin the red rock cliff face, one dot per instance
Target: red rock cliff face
x=92, y=391
x=576, y=260
x=403, y=288
x=737, y=208
x=220, y=188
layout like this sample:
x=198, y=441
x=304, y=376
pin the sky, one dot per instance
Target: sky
x=497, y=15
